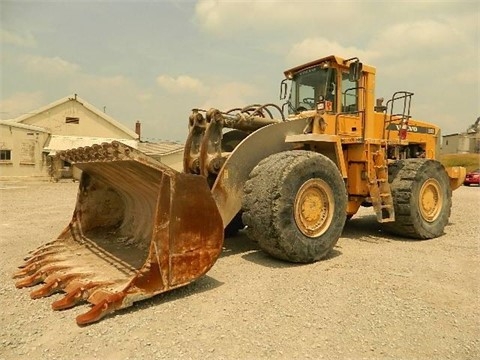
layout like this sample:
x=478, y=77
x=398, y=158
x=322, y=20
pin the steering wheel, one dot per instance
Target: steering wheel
x=309, y=100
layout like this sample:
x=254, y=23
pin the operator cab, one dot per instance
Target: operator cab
x=310, y=87
x=322, y=86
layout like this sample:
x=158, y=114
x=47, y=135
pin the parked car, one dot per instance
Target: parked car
x=473, y=177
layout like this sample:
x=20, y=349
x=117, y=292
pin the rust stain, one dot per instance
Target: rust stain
x=139, y=228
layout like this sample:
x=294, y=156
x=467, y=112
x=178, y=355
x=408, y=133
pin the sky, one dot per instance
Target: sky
x=154, y=61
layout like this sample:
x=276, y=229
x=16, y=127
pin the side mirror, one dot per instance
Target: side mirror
x=355, y=71
x=283, y=89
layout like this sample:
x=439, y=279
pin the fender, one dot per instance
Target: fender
x=227, y=190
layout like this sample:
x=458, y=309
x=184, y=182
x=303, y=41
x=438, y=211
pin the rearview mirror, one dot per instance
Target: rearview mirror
x=355, y=71
x=283, y=89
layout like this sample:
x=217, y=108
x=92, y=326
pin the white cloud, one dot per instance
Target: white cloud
x=431, y=50
x=313, y=48
x=8, y=37
x=106, y=82
x=226, y=17
x=55, y=66
x=116, y=89
x=182, y=83
x=19, y=103
x=230, y=95
x=427, y=37
x=144, y=97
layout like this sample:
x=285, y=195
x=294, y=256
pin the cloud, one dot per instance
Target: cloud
x=230, y=95
x=182, y=83
x=8, y=37
x=118, y=89
x=19, y=103
x=430, y=37
x=144, y=97
x=106, y=82
x=55, y=66
x=226, y=17
x=313, y=48
x=341, y=19
x=428, y=49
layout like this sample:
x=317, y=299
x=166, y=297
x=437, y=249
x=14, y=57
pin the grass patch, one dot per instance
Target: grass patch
x=470, y=161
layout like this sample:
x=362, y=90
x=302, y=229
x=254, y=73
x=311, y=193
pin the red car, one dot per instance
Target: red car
x=473, y=177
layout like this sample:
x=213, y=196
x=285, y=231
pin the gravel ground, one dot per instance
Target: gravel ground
x=376, y=297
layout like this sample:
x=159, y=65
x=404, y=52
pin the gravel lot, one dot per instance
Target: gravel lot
x=376, y=297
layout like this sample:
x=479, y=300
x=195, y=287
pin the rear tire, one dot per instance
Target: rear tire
x=422, y=198
x=295, y=205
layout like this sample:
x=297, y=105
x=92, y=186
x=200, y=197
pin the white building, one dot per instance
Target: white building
x=28, y=143
x=461, y=143
x=21, y=149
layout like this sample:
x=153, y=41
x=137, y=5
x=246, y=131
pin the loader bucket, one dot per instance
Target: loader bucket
x=139, y=228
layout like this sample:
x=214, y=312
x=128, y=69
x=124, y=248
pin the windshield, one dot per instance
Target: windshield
x=306, y=87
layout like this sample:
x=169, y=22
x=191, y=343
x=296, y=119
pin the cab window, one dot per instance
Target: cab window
x=349, y=94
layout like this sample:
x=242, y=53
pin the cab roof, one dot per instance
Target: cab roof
x=329, y=59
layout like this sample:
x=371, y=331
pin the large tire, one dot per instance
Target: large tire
x=422, y=198
x=295, y=205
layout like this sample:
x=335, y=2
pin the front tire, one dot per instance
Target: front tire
x=422, y=198
x=295, y=205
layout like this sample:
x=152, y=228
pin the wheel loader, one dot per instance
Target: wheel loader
x=289, y=176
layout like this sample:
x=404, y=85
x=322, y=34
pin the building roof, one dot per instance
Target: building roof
x=58, y=142
x=88, y=106
x=14, y=123
x=162, y=149
x=464, y=134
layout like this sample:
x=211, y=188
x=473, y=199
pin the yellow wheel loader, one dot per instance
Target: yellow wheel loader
x=290, y=176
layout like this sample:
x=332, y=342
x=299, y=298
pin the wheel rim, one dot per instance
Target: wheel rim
x=430, y=200
x=314, y=207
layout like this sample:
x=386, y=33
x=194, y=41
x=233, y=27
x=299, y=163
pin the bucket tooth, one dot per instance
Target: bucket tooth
x=42, y=247
x=35, y=265
x=75, y=296
x=50, y=248
x=28, y=270
x=31, y=280
x=39, y=276
x=53, y=284
x=44, y=258
x=48, y=289
x=108, y=305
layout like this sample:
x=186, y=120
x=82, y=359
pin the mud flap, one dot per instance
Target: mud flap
x=139, y=228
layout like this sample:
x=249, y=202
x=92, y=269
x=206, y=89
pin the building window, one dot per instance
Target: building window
x=72, y=120
x=5, y=155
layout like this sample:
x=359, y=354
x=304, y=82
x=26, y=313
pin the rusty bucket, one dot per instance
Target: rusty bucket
x=139, y=228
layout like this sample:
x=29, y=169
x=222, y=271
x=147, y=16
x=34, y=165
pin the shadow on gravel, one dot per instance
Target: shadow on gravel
x=250, y=251
x=362, y=228
x=263, y=259
x=358, y=227
x=366, y=228
x=205, y=283
x=238, y=244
